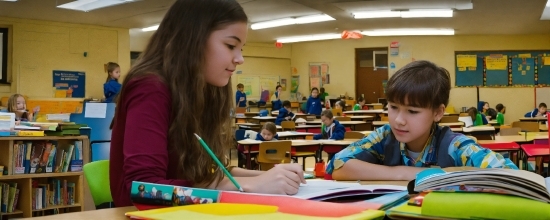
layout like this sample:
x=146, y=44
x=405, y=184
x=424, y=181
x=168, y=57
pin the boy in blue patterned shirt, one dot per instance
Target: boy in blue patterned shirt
x=417, y=95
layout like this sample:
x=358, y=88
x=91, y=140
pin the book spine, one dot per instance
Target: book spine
x=169, y=195
x=31, y=133
x=15, y=200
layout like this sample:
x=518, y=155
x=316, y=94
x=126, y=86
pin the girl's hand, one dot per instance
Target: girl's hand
x=282, y=179
x=36, y=109
x=17, y=122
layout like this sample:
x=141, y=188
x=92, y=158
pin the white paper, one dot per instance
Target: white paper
x=316, y=188
x=95, y=110
x=7, y=121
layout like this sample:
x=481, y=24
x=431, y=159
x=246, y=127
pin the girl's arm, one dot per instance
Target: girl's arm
x=359, y=170
x=240, y=172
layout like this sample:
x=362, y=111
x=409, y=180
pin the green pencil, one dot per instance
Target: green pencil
x=219, y=163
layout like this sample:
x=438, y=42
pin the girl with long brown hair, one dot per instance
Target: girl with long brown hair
x=168, y=95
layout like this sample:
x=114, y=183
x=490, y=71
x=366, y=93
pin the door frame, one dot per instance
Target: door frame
x=357, y=50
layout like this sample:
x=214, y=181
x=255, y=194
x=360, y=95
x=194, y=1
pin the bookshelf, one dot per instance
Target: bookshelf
x=24, y=206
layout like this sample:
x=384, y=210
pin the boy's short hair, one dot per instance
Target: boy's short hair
x=314, y=88
x=240, y=85
x=420, y=84
x=542, y=104
x=327, y=113
x=271, y=127
x=360, y=99
x=286, y=104
x=499, y=107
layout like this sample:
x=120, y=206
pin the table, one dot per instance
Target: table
x=111, y=214
x=304, y=145
x=378, y=124
x=452, y=124
x=345, y=123
x=537, y=119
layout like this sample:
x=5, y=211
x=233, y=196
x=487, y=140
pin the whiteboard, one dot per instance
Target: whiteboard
x=251, y=84
x=542, y=94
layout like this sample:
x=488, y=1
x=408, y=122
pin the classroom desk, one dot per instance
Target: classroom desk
x=366, y=133
x=304, y=145
x=514, y=138
x=378, y=124
x=111, y=214
x=345, y=123
x=364, y=112
x=511, y=147
x=537, y=119
x=361, y=117
x=543, y=127
x=452, y=124
x=293, y=134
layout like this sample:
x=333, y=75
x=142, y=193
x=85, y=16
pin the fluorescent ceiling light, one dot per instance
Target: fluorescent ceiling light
x=9, y=0
x=88, y=5
x=548, y=3
x=152, y=28
x=447, y=13
x=309, y=38
x=377, y=14
x=413, y=13
x=291, y=21
x=404, y=32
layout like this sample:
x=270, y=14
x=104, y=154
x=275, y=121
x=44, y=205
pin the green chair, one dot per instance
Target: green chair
x=97, y=175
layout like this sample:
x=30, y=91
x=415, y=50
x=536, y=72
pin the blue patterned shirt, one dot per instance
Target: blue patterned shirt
x=463, y=150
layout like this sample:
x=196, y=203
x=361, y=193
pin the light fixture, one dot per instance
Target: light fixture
x=88, y=5
x=290, y=21
x=152, y=28
x=548, y=3
x=439, y=13
x=309, y=38
x=409, y=31
x=377, y=14
x=9, y=0
x=412, y=13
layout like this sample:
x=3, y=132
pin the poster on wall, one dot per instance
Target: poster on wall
x=283, y=84
x=69, y=84
x=324, y=73
x=294, y=84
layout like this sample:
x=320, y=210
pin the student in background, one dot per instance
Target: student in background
x=18, y=105
x=417, y=95
x=538, y=112
x=112, y=86
x=340, y=105
x=323, y=95
x=276, y=102
x=285, y=113
x=180, y=88
x=360, y=104
x=500, y=115
x=240, y=96
x=477, y=118
x=485, y=108
x=331, y=128
x=314, y=106
x=268, y=132
x=491, y=114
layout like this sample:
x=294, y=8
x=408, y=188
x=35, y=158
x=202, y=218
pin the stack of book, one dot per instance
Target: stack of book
x=479, y=194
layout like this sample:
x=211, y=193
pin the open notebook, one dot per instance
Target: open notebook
x=325, y=189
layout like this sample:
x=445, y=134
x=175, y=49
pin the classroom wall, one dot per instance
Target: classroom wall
x=340, y=54
x=38, y=47
x=265, y=59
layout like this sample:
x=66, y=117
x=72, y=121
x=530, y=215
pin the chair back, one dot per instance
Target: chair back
x=509, y=131
x=274, y=152
x=240, y=110
x=239, y=134
x=531, y=126
x=336, y=112
x=97, y=175
x=341, y=118
x=353, y=135
x=288, y=126
x=449, y=119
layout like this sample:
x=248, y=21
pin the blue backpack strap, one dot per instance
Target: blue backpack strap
x=444, y=141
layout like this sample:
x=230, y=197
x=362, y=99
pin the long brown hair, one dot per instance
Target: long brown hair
x=12, y=102
x=110, y=67
x=176, y=52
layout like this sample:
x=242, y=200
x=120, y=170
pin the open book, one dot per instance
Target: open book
x=500, y=181
x=325, y=190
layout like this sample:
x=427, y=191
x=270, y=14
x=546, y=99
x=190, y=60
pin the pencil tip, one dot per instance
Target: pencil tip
x=241, y=189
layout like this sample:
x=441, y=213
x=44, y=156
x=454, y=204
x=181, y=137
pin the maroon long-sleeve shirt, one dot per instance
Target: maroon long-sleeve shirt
x=139, y=142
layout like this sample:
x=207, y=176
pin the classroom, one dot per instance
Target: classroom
x=74, y=63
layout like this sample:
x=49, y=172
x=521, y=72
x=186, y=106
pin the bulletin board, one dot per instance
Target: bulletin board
x=319, y=75
x=502, y=68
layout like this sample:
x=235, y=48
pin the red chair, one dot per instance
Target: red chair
x=538, y=151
